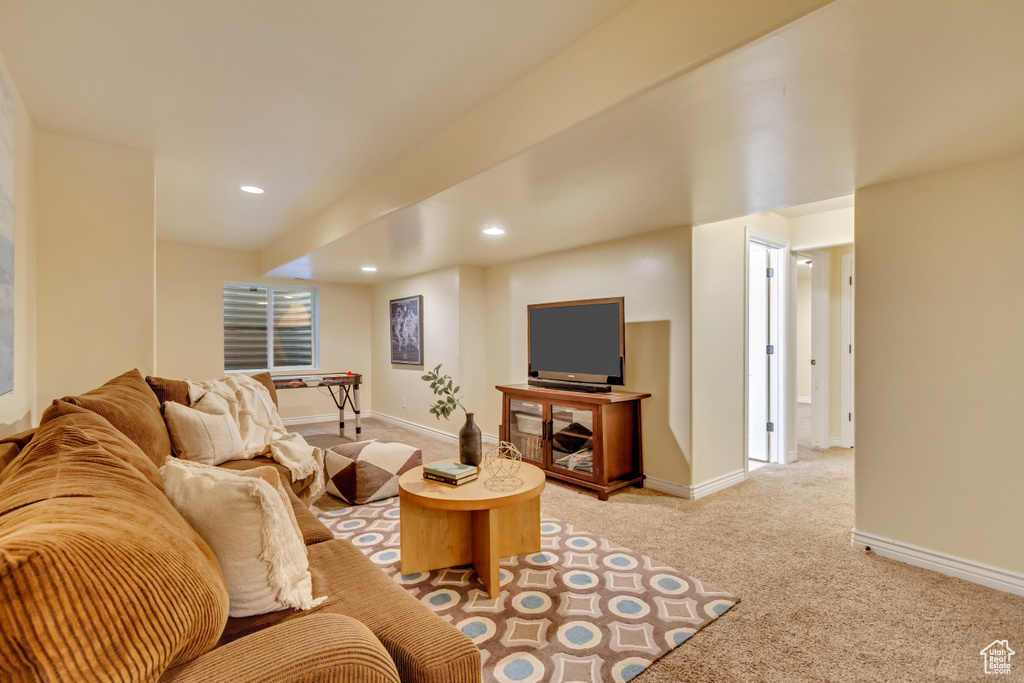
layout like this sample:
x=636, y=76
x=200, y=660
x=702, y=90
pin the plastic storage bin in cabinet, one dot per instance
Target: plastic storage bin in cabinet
x=529, y=424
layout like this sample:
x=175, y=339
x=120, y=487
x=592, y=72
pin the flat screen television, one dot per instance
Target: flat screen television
x=578, y=341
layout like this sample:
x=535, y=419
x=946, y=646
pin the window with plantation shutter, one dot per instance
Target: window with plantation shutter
x=269, y=327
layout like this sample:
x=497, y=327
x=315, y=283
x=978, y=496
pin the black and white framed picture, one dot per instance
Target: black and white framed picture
x=407, y=330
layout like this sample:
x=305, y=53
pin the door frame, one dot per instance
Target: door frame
x=820, y=352
x=847, y=426
x=784, y=295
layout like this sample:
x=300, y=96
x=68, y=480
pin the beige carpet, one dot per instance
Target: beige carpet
x=813, y=609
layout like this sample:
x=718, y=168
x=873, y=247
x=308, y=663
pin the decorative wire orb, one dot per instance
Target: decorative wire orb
x=502, y=462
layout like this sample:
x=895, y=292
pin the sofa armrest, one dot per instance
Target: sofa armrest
x=320, y=648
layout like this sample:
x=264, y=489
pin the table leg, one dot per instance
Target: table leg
x=503, y=532
x=355, y=406
x=433, y=539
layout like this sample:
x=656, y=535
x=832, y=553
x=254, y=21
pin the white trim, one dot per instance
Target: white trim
x=706, y=488
x=803, y=399
x=429, y=431
x=791, y=457
x=665, y=486
x=846, y=402
x=698, y=490
x=325, y=417
x=968, y=570
x=783, y=295
x=834, y=441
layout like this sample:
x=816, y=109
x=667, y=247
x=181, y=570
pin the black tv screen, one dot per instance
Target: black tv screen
x=581, y=341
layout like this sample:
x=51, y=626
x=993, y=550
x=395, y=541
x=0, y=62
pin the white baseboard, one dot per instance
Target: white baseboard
x=429, y=431
x=325, y=417
x=968, y=570
x=803, y=399
x=665, y=486
x=791, y=457
x=705, y=488
x=834, y=441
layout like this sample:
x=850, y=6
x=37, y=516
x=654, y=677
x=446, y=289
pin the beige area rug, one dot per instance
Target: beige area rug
x=814, y=609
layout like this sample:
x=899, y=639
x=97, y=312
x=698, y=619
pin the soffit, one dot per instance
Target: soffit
x=857, y=93
x=304, y=99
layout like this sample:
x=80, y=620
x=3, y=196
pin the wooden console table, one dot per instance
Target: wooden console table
x=348, y=391
x=593, y=440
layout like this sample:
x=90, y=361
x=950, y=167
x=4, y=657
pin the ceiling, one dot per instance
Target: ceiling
x=303, y=99
x=859, y=92
x=856, y=93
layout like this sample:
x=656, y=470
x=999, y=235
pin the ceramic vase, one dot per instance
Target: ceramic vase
x=470, y=450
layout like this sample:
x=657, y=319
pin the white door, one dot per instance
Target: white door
x=849, y=353
x=758, y=382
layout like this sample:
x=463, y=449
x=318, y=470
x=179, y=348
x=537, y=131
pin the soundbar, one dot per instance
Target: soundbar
x=587, y=387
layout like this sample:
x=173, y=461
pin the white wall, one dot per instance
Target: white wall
x=940, y=370
x=824, y=229
x=719, y=277
x=652, y=272
x=395, y=384
x=190, y=321
x=17, y=408
x=96, y=263
x=803, y=333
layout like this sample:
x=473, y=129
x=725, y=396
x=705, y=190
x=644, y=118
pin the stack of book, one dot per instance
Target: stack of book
x=450, y=472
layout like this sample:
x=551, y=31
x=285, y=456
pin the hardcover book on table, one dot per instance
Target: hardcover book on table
x=450, y=470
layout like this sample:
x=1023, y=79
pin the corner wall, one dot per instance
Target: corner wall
x=96, y=263
x=190, y=321
x=18, y=407
x=719, y=343
x=939, y=374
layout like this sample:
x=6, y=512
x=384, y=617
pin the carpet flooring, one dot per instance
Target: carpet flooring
x=814, y=609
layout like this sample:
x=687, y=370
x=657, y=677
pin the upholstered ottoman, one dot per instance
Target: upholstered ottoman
x=366, y=471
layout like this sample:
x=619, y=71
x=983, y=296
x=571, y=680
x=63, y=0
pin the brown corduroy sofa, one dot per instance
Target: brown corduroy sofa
x=101, y=579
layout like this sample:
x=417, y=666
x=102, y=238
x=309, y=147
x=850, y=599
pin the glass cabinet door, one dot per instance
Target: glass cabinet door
x=572, y=440
x=526, y=429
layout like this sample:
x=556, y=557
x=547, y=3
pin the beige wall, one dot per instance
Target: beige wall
x=17, y=407
x=190, y=321
x=652, y=273
x=395, y=384
x=96, y=249
x=824, y=229
x=803, y=333
x=939, y=376
x=835, y=339
x=719, y=300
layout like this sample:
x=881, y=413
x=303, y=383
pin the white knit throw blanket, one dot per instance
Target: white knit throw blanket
x=261, y=428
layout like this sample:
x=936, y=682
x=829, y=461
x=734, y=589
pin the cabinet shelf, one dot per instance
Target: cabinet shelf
x=593, y=440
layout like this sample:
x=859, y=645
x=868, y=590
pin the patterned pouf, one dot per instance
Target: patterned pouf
x=366, y=471
x=581, y=609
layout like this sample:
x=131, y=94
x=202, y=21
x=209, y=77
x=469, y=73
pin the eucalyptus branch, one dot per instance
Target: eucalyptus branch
x=442, y=386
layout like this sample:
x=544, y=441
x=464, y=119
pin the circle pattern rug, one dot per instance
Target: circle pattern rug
x=580, y=609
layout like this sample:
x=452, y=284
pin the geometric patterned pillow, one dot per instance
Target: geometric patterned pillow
x=366, y=471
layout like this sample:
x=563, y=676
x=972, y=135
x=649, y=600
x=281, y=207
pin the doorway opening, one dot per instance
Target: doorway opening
x=812, y=349
x=766, y=349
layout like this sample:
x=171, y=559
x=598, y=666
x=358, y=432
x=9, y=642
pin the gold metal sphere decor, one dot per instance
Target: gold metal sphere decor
x=502, y=462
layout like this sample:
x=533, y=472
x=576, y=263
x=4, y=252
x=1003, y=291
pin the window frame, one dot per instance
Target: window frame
x=271, y=289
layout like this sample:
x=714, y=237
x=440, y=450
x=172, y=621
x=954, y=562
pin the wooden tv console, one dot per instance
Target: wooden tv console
x=593, y=440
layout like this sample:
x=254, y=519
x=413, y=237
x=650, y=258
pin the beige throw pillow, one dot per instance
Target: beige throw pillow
x=246, y=523
x=205, y=433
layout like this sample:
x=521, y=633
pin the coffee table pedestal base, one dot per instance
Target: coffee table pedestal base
x=433, y=539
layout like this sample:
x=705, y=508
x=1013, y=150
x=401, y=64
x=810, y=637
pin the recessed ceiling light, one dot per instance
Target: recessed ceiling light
x=369, y=269
x=252, y=189
x=494, y=230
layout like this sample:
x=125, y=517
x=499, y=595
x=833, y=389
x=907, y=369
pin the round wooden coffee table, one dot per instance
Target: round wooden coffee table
x=450, y=526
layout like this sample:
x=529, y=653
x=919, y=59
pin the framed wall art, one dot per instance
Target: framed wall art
x=407, y=331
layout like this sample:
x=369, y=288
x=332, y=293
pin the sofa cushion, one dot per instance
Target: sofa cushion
x=206, y=433
x=266, y=380
x=301, y=487
x=247, y=524
x=366, y=471
x=129, y=404
x=169, y=389
x=100, y=578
